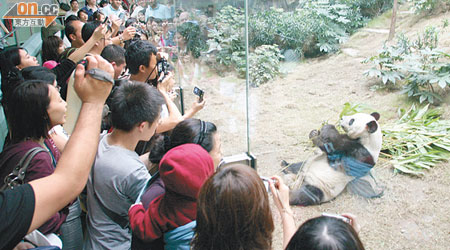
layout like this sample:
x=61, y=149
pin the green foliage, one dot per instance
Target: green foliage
x=368, y=8
x=419, y=63
x=264, y=64
x=314, y=29
x=227, y=36
x=418, y=141
x=421, y=6
x=351, y=109
x=195, y=42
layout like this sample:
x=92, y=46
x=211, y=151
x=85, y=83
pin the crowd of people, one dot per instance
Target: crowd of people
x=98, y=153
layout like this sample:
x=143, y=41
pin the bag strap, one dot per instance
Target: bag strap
x=17, y=176
x=118, y=219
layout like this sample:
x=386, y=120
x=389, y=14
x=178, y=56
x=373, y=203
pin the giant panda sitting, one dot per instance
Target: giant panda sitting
x=345, y=160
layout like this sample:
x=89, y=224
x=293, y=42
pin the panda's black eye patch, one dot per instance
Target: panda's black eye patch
x=351, y=121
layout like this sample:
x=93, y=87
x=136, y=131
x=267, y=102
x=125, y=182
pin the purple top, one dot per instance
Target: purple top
x=40, y=166
x=156, y=189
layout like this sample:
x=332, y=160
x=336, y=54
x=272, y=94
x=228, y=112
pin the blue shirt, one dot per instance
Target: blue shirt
x=160, y=12
x=109, y=10
x=89, y=10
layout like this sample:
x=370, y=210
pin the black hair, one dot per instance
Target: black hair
x=97, y=14
x=68, y=19
x=88, y=29
x=130, y=21
x=38, y=73
x=73, y=1
x=134, y=102
x=50, y=47
x=27, y=111
x=137, y=54
x=11, y=77
x=188, y=131
x=69, y=28
x=103, y=2
x=81, y=11
x=325, y=233
x=114, y=53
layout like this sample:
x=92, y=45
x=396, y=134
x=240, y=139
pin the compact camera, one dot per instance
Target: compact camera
x=199, y=93
x=162, y=66
x=340, y=217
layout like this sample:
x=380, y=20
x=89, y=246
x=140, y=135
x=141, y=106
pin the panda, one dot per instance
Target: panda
x=323, y=178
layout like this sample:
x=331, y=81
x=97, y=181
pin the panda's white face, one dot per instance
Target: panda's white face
x=356, y=125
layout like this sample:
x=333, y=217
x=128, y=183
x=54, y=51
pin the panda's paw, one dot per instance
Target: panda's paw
x=313, y=133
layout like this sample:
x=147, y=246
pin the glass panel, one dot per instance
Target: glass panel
x=275, y=50
x=200, y=38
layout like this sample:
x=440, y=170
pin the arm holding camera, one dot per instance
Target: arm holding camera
x=168, y=123
x=80, y=53
x=126, y=35
x=115, y=25
x=353, y=221
x=280, y=194
x=196, y=106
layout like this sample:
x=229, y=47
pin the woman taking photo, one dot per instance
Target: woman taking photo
x=34, y=107
x=233, y=211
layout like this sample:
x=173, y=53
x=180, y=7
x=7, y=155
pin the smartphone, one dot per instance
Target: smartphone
x=340, y=217
x=199, y=92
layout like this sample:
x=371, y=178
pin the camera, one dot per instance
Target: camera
x=340, y=217
x=162, y=66
x=139, y=31
x=199, y=92
x=266, y=182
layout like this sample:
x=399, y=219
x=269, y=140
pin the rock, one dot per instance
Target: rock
x=350, y=52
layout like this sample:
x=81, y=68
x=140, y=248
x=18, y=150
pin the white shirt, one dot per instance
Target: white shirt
x=69, y=13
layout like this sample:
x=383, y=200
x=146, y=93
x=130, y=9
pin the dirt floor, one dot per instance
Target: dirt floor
x=412, y=214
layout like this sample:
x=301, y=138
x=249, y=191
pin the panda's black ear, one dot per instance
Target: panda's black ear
x=375, y=115
x=372, y=126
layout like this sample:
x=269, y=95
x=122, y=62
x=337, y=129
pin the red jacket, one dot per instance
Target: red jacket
x=183, y=170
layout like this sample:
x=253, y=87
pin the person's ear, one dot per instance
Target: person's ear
x=142, y=126
x=142, y=68
x=72, y=37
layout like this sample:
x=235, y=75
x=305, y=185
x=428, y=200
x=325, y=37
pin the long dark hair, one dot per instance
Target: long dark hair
x=188, y=131
x=325, y=233
x=233, y=211
x=27, y=111
x=9, y=59
x=50, y=47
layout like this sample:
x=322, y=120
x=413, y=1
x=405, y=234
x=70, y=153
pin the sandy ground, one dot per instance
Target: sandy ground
x=412, y=214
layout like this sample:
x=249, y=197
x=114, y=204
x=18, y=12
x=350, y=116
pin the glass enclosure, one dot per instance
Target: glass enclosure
x=213, y=53
x=205, y=39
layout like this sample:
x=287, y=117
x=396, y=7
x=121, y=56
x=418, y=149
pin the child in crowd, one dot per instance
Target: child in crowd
x=183, y=170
